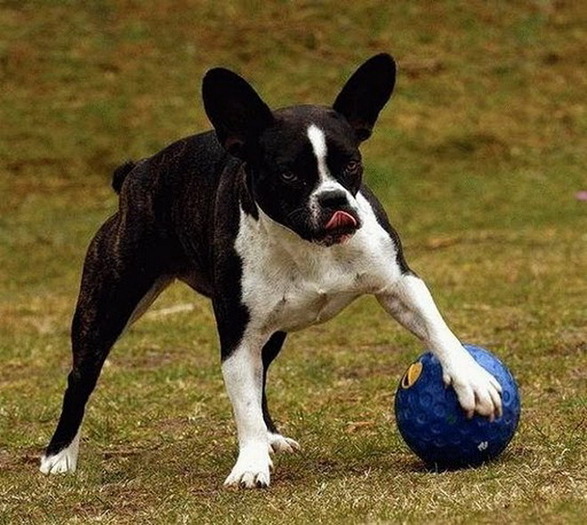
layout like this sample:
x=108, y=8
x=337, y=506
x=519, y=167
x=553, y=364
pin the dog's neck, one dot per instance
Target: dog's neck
x=283, y=244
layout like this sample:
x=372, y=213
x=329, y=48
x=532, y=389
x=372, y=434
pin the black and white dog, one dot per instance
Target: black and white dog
x=268, y=217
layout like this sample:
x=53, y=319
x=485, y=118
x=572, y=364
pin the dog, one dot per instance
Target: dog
x=267, y=215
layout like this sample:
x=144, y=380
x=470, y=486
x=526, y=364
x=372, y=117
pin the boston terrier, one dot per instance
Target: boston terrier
x=267, y=215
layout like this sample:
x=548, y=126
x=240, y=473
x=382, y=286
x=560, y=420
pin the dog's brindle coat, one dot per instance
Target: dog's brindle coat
x=268, y=217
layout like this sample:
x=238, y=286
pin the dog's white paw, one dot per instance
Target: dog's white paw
x=477, y=390
x=62, y=462
x=279, y=444
x=251, y=469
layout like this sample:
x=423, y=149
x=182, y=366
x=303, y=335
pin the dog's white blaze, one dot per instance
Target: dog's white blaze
x=326, y=182
x=318, y=142
x=64, y=461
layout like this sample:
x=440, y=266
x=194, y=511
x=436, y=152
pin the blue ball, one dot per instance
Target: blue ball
x=435, y=427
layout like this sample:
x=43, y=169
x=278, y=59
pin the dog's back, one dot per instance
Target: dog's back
x=173, y=194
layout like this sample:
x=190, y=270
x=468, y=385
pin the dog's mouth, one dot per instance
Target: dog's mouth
x=339, y=228
x=340, y=219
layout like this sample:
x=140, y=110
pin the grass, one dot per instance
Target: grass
x=477, y=159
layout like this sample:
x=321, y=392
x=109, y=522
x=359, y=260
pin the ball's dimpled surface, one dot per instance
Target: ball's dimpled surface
x=436, y=428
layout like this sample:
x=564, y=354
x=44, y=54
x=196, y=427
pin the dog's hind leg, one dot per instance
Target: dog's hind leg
x=119, y=280
x=277, y=442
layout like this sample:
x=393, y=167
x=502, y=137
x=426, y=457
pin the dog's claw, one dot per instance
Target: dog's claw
x=251, y=480
x=251, y=471
x=248, y=480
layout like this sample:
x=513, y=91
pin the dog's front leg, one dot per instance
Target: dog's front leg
x=243, y=376
x=410, y=302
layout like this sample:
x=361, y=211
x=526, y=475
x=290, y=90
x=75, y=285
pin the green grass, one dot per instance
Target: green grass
x=477, y=158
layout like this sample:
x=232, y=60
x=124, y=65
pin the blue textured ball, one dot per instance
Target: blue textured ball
x=435, y=427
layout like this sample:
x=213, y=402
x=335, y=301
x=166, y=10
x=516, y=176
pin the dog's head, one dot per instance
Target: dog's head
x=303, y=162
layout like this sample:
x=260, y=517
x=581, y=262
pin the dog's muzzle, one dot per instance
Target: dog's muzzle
x=336, y=221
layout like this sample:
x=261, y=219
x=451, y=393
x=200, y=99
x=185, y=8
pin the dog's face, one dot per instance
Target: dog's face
x=303, y=162
x=306, y=173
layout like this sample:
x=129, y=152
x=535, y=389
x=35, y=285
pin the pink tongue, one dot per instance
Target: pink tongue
x=339, y=219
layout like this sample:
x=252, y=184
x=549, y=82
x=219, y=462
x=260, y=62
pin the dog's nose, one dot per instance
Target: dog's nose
x=333, y=199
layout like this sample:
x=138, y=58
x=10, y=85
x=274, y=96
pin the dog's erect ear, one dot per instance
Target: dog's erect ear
x=236, y=111
x=365, y=94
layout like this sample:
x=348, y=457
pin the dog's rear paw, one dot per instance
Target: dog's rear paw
x=251, y=471
x=279, y=444
x=64, y=461
x=60, y=463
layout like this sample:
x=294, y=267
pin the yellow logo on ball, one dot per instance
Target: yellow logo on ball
x=412, y=375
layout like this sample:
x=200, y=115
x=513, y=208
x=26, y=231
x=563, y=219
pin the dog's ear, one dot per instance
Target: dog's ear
x=365, y=94
x=236, y=111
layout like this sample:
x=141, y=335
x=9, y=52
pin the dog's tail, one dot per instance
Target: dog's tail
x=120, y=174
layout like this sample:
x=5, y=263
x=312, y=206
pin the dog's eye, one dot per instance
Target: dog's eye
x=353, y=167
x=288, y=176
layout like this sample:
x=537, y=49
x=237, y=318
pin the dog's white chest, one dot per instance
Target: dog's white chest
x=300, y=297
x=289, y=284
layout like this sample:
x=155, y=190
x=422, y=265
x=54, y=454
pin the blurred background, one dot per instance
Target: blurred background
x=491, y=90
x=480, y=159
